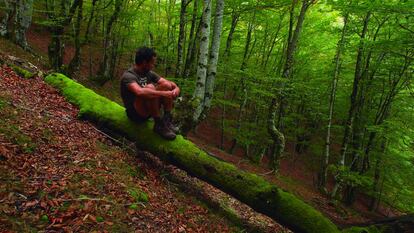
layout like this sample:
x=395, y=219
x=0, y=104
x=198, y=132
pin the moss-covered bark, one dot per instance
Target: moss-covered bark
x=22, y=72
x=248, y=188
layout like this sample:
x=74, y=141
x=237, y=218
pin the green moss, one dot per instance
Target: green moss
x=44, y=218
x=133, y=206
x=2, y=103
x=138, y=195
x=99, y=219
x=22, y=72
x=247, y=187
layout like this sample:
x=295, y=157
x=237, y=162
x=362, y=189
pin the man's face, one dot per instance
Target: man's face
x=150, y=65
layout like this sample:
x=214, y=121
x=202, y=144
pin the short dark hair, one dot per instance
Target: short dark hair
x=144, y=54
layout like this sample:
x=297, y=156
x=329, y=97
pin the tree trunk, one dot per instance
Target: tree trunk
x=199, y=92
x=275, y=37
x=323, y=173
x=375, y=199
x=246, y=187
x=293, y=39
x=234, y=20
x=56, y=47
x=181, y=38
x=223, y=115
x=214, y=56
x=240, y=115
x=75, y=63
x=191, y=42
x=88, y=27
x=353, y=106
x=277, y=137
x=23, y=20
x=8, y=15
x=106, y=72
x=248, y=40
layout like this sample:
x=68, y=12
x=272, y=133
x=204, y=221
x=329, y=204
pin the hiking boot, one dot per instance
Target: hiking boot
x=168, y=123
x=162, y=130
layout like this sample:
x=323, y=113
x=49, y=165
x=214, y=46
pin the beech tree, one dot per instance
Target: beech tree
x=16, y=20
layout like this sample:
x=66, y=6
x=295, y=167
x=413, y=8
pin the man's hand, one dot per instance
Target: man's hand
x=175, y=88
x=175, y=92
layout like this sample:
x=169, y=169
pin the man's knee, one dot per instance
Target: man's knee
x=151, y=86
x=165, y=86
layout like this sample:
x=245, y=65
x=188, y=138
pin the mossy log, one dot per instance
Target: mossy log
x=249, y=188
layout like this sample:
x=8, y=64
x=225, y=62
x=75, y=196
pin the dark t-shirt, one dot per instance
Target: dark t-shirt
x=130, y=76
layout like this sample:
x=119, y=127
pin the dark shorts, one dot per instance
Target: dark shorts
x=134, y=116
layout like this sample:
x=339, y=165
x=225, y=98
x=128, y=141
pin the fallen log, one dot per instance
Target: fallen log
x=249, y=188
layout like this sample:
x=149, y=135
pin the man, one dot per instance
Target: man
x=144, y=93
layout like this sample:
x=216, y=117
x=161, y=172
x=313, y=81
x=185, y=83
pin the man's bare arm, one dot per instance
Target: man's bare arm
x=148, y=92
x=174, y=86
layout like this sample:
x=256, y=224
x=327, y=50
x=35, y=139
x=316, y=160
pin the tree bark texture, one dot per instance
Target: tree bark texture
x=239, y=116
x=76, y=60
x=234, y=20
x=214, y=56
x=22, y=21
x=246, y=187
x=181, y=38
x=106, y=71
x=277, y=137
x=199, y=92
x=17, y=19
x=293, y=38
x=191, y=42
x=56, y=47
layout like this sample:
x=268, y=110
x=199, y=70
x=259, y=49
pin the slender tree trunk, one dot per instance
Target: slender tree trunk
x=199, y=92
x=191, y=42
x=353, y=106
x=105, y=71
x=56, y=47
x=234, y=20
x=323, y=173
x=240, y=115
x=214, y=55
x=181, y=38
x=88, y=27
x=275, y=37
x=277, y=137
x=293, y=39
x=223, y=115
x=23, y=20
x=76, y=60
x=248, y=40
x=374, y=202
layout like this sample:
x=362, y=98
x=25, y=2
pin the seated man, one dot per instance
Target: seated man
x=144, y=93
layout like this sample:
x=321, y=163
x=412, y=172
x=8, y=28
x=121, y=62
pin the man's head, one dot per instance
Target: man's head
x=145, y=59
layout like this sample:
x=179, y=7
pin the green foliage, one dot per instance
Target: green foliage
x=138, y=195
x=99, y=219
x=351, y=178
x=44, y=218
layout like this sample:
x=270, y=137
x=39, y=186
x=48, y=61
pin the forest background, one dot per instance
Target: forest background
x=326, y=83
